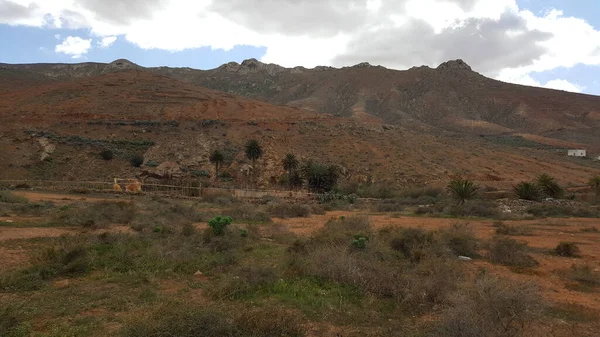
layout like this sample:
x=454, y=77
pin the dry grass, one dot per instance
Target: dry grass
x=516, y=230
x=509, y=252
x=181, y=320
x=492, y=307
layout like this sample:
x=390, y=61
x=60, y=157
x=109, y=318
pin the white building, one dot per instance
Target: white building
x=577, y=153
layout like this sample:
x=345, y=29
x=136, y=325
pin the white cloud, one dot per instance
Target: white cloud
x=558, y=84
x=74, y=46
x=496, y=37
x=564, y=85
x=107, y=41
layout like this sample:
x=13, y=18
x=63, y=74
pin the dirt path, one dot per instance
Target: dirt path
x=61, y=198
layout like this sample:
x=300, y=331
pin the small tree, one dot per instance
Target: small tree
x=321, y=178
x=290, y=164
x=106, y=155
x=595, y=184
x=549, y=186
x=136, y=161
x=253, y=152
x=528, y=191
x=462, y=190
x=217, y=159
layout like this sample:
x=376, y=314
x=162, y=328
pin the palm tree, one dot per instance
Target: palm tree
x=217, y=158
x=253, y=152
x=290, y=164
x=549, y=186
x=528, y=191
x=462, y=190
x=595, y=184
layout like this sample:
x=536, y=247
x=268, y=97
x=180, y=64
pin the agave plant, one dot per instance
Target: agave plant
x=528, y=191
x=462, y=190
x=549, y=186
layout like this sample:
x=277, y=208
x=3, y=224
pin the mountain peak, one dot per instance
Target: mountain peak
x=455, y=64
x=122, y=64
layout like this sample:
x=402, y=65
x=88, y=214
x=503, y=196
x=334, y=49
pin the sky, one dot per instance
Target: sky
x=546, y=43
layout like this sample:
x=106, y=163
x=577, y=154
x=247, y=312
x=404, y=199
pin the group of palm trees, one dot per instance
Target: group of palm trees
x=544, y=186
x=253, y=151
x=319, y=177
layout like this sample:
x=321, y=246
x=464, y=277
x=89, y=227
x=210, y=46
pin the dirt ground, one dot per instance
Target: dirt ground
x=546, y=235
x=61, y=198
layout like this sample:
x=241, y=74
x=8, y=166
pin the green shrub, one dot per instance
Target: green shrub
x=200, y=173
x=107, y=155
x=136, y=161
x=151, y=163
x=567, y=249
x=359, y=241
x=528, y=191
x=11, y=323
x=219, y=224
x=510, y=252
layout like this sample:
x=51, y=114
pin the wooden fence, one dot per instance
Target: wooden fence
x=186, y=189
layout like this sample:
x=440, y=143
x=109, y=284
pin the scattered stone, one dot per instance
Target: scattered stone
x=464, y=258
x=198, y=273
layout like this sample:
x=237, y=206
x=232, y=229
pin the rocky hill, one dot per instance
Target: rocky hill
x=451, y=96
x=415, y=127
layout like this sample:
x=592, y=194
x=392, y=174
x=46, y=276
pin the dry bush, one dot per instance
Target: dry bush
x=567, y=249
x=492, y=307
x=167, y=214
x=516, y=230
x=97, y=215
x=545, y=211
x=285, y=211
x=9, y=198
x=11, y=323
x=590, y=229
x=509, y=252
x=208, y=321
x=412, y=266
x=241, y=281
x=248, y=213
x=476, y=208
x=584, y=274
x=461, y=239
x=219, y=197
x=389, y=205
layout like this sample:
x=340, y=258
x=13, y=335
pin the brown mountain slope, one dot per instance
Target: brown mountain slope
x=69, y=122
x=452, y=96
